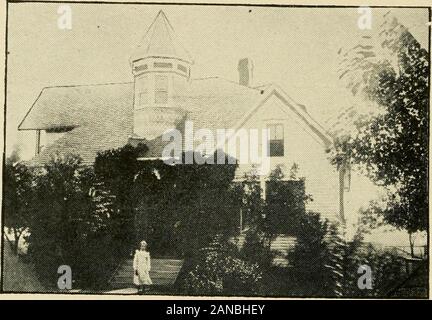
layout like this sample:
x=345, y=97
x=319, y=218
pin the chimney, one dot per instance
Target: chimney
x=245, y=69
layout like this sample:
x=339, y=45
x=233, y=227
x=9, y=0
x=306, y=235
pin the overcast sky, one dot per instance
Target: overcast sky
x=293, y=47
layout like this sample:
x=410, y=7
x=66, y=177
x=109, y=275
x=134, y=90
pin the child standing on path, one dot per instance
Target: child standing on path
x=141, y=265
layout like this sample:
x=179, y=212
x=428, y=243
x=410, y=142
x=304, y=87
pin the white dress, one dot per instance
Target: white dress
x=141, y=263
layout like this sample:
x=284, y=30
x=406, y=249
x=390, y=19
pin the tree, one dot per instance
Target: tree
x=62, y=221
x=18, y=193
x=182, y=207
x=392, y=144
x=116, y=171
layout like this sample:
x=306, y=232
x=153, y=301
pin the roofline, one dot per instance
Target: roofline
x=294, y=106
x=170, y=29
x=72, y=126
x=314, y=125
x=30, y=109
x=227, y=80
x=87, y=85
x=163, y=57
x=61, y=86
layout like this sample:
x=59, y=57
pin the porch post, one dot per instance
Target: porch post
x=37, y=149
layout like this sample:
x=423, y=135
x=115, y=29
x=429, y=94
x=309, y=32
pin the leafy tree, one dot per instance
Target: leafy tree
x=286, y=200
x=63, y=219
x=392, y=144
x=17, y=204
x=323, y=263
x=115, y=171
x=182, y=207
x=310, y=257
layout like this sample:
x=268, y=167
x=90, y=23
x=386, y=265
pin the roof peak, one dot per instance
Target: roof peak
x=161, y=40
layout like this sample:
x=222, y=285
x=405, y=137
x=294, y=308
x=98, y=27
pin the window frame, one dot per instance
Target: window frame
x=144, y=90
x=272, y=141
x=161, y=89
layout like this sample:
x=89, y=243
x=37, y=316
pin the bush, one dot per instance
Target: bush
x=310, y=257
x=181, y=208
x=70, y=226
x=323, y=263
x=219, y=270
x=256, y=249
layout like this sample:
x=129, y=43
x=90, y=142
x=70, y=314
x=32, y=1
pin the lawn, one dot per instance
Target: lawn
x=19, y=276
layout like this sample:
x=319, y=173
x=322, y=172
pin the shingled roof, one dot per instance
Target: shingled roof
x=102, y=115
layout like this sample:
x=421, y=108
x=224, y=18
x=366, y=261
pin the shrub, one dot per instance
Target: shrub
x=310, y=257
x=323, y=263
x=256, y=249
x=18, y=193
x=219, y=270
x=181, y=208
x=70, y=226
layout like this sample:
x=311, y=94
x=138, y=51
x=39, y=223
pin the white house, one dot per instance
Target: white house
x=85, y=119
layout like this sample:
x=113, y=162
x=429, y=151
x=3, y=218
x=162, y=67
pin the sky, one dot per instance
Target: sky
x=295, y=48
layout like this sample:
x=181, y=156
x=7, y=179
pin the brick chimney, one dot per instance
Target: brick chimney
x=245, y=70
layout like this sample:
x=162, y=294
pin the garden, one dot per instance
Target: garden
x=92, y=218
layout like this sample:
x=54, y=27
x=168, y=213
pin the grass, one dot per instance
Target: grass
x=18, y=275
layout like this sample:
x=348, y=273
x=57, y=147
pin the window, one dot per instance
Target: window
x=143, y=97
x=276, y=141
x=161, y=89
x=165, y=65
x=182, y=68
x=141, y=68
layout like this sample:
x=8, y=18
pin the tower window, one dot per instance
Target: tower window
x=143, y=96
x=165, y=65
x=141, y=68
x=276, y=141
x=161, y=90
x=182, y=68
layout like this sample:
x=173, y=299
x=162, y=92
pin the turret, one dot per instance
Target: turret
x=161, y=69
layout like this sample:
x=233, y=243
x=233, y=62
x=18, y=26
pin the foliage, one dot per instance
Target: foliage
x=219, y=270
x=324, y=263
x=256, y=249
x=285, y=201
x=18, y=193
x=393, y=145
x=311, y=255
x=252, y=203
x=90, y=219
x=62, y=227
x=77, y=219
x=115, y=172
x=183, y=207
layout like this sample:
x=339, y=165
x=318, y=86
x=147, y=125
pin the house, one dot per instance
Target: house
x=85, y=119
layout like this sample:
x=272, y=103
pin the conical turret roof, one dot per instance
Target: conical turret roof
x=160, y=40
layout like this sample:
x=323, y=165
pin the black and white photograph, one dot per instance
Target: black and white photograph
x=216, y=150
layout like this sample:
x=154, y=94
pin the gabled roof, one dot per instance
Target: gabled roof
x=298, y=109
x=102, y=115
x=161, y=40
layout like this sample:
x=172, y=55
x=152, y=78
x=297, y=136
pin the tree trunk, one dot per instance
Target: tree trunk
x=411, y=241
x=13, y=243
